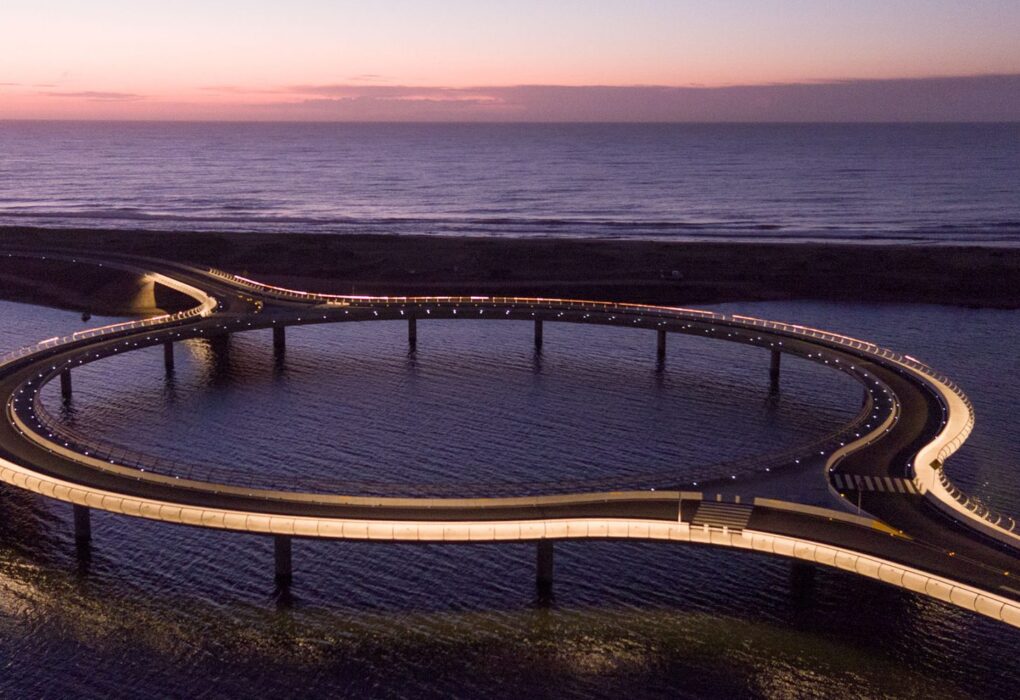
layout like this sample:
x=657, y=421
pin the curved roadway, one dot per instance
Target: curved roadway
x=917, y=536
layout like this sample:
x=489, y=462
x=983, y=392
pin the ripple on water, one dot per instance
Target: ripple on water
x=473, y=405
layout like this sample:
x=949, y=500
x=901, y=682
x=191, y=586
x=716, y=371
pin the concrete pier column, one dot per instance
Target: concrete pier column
x=774, y=371
x=660, y=351
x=279, y=339
x=82, y=525
x=412, y=332
x=168, y=355
x=538, y=334
x=282, y=557
x=544, y=565
x=65, y=383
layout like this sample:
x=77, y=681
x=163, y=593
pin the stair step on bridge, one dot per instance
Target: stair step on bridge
x=717, y=514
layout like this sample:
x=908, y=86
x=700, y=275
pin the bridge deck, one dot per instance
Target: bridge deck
x=876, y=469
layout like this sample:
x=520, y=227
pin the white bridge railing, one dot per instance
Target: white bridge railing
x=950, y=443
x=950, y=446
x=202, y=310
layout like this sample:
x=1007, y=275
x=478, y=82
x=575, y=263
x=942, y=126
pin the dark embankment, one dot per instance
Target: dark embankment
x=642, y=271
x=85, y=288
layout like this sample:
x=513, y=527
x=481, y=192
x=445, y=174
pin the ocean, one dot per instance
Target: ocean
x=903, y=183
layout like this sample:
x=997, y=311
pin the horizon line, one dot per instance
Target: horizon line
x=985, y=98
x=510, y=122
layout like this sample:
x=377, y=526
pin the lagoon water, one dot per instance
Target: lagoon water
x=930, y=183
x=164, y=611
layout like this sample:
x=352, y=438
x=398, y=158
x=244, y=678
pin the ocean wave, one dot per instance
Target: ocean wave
x=847, y=183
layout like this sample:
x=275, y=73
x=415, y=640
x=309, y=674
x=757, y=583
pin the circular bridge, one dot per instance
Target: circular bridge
x=921, y=532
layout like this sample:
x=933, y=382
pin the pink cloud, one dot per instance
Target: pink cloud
x=103, y=96
x=977, y=98
x=980, y=98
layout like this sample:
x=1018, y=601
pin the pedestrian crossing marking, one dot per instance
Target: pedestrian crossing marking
x=867, y=482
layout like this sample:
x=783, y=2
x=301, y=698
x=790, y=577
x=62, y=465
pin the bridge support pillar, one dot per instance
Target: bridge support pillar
x=412, y=332
x=65, y=383
x=538, y=334
x=279, y=339
x=168, y=356
x=774, y=371
x=544, y=566
x=660, y=349
x=282, y=557
x=82, y=525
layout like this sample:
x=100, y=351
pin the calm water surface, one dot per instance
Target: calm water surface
x=166, y=611
x=951, y=183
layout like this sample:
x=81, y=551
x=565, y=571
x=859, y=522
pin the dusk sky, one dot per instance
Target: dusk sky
x=639, y=60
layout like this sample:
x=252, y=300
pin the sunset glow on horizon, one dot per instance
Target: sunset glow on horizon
x=474, y=60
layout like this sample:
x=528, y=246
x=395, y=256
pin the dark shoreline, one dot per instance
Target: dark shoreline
x=620, y=270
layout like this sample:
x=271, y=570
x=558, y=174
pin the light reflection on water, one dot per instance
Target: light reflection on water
x=174, y=611
x=475, y=404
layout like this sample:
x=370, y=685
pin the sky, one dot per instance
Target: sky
x=587, y=60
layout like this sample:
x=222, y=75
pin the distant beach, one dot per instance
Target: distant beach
x=679, y=273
